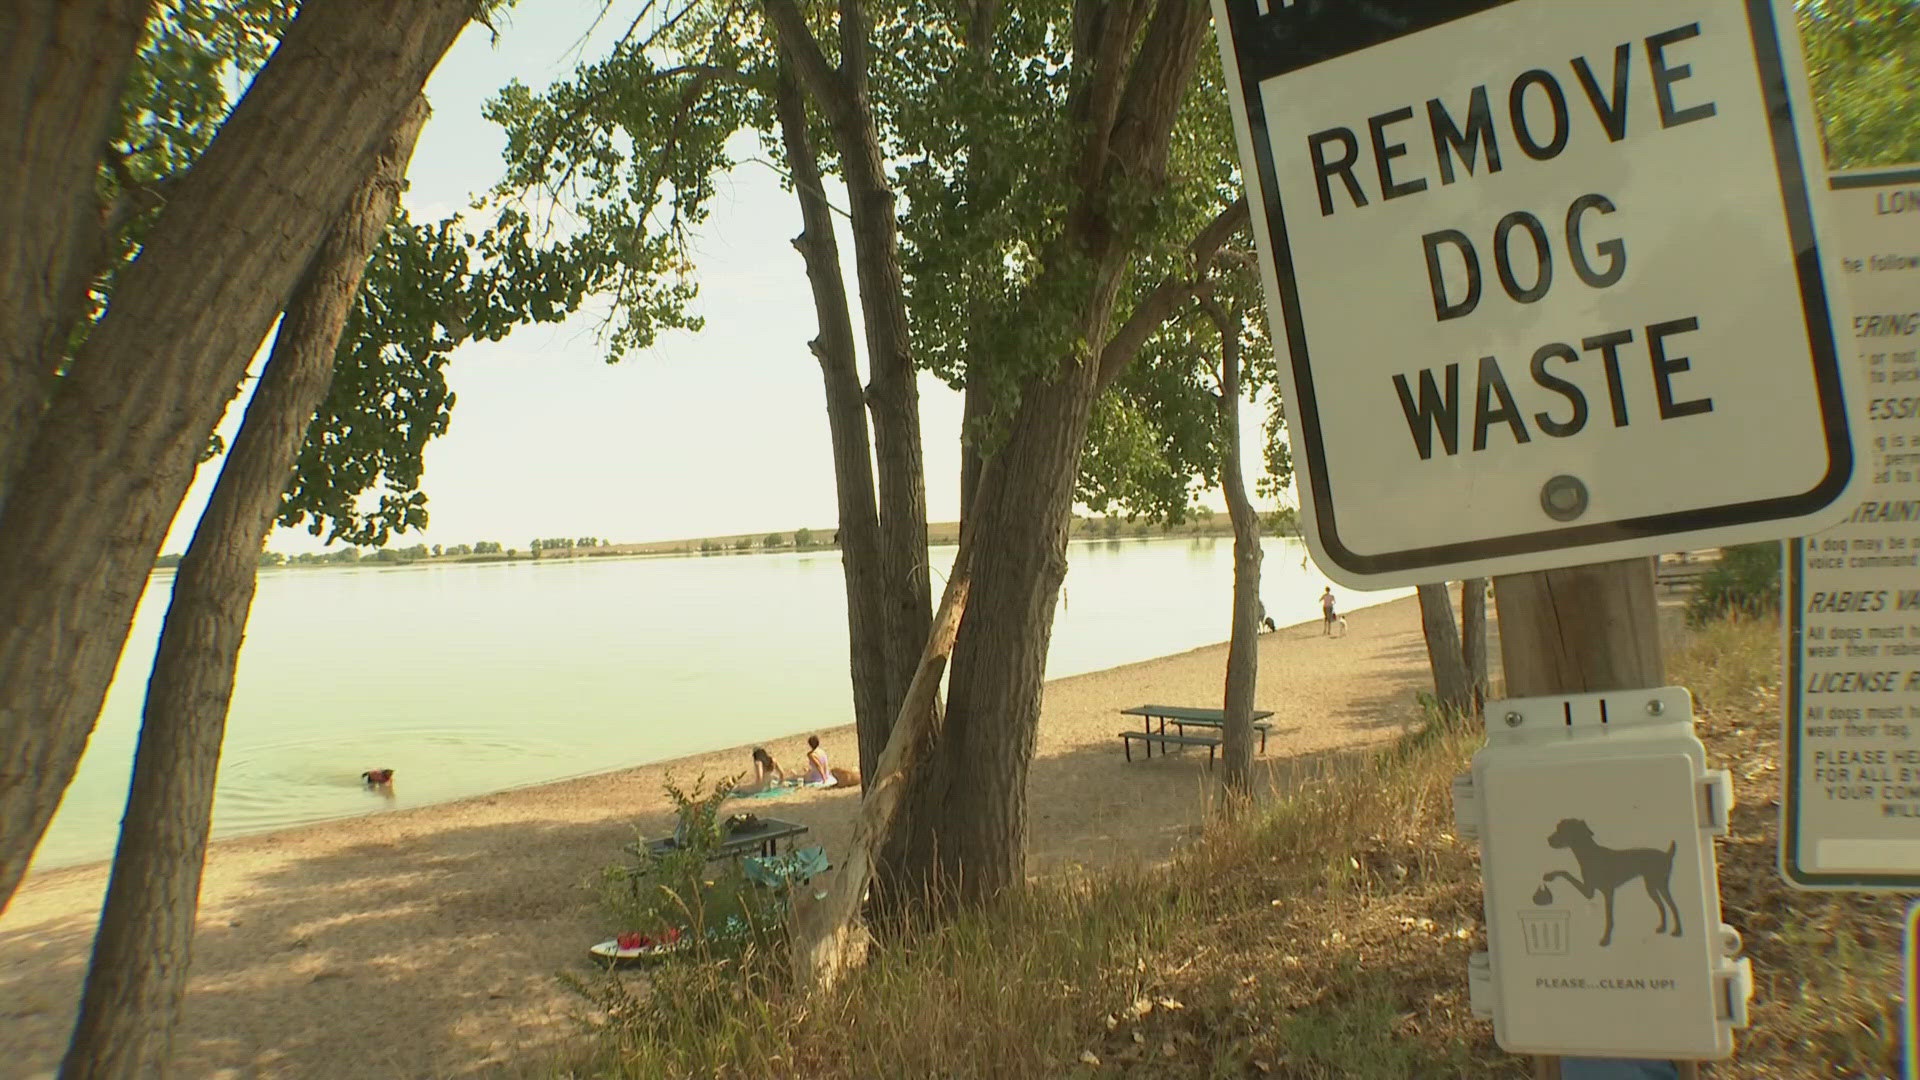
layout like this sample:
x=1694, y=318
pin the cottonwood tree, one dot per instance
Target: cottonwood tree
x=1037, y=182
x=1172, y=422
x=107, y=417
x=137, y=977
x=358, y=414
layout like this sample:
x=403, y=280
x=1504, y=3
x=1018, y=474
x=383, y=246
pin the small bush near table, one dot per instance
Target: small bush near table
x=1746, y=583
x=711, y=902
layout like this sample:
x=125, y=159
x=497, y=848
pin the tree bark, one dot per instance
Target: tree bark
x=135, y=983
x=847, y=422
x=63, y=64
x=1243, y=654
x=1473, y=639
x=116, y=447
x=1451, y=686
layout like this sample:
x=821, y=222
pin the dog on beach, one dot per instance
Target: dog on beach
x=1604, y=869
x=378, y=778
x=1338, y=628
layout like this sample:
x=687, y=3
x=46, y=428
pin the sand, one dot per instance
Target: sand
x=425, y=942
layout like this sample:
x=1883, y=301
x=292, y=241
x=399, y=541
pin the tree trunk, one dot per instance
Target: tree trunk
x=1451, y=686
x=140, y=957
x=117, y=446
x=825, y=935
x=847, y=422
x=900, y=584
x=969, y=817
x=63, y=64
x=893, y=394
x=1473, y=639
x=1243, y=654
x=893, y=397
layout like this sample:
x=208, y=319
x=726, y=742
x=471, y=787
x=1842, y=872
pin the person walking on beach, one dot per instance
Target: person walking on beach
x=1326, y=612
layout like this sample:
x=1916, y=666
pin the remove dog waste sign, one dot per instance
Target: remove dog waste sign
x=1545, y=275
x=1853, y=592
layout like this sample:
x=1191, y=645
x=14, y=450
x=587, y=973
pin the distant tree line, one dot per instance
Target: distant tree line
x=564, y=544
x=351, y=554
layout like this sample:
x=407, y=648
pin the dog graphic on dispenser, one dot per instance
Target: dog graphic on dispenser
x=1604, y=870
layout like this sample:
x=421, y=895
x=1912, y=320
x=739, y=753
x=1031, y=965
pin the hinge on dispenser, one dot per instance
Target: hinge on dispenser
x=1733, y=981
x=1716, y=801
x=1466, y=807
x=1480, y=985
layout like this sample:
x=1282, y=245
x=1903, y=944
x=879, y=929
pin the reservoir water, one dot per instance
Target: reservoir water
x=472, y=678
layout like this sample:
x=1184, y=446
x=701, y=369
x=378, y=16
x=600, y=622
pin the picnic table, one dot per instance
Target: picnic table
x=765, y=840
x=1183, y=717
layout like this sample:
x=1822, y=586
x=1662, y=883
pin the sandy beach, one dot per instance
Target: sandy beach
x=426, y=942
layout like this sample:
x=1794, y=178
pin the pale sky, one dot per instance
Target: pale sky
x=719, y=432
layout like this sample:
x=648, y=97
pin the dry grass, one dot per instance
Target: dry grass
x=1325, y=935
x=1826, y=965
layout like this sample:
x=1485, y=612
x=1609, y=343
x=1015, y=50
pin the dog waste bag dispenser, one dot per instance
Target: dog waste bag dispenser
x=1595, y=815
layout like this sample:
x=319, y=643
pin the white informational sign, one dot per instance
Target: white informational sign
x=1595, y=815
x=1853, y=592
x=1544, y=276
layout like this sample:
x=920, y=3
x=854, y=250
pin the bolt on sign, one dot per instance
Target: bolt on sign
x=1546, y=277
x=1852, y=777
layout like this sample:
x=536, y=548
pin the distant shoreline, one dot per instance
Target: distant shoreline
x=939, y=534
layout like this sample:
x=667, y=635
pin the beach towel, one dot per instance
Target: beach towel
x=795, y=867
x=773, y=792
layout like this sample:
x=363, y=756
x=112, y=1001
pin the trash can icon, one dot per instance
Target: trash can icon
x=1545, y=932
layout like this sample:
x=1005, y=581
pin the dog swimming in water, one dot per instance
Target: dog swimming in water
x=378, y=778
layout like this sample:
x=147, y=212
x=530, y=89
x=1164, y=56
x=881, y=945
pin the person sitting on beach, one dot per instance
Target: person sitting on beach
x=766, y=773
x=817, y=769
x=821, y=774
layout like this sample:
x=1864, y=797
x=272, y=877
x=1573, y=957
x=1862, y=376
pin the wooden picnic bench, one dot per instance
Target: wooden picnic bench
x=1682, y=575
x=1212, y=722
x=1182, y=717
x=1211, y=742
x=765, y=839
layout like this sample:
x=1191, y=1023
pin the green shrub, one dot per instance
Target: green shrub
x=712, y=902
x=1745, y=584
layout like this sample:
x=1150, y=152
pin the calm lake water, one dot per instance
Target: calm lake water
x=468, y=679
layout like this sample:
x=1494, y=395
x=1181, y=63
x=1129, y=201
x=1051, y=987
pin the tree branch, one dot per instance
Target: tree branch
x=1165, y=299
x=824, y=84
x=853, y=46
